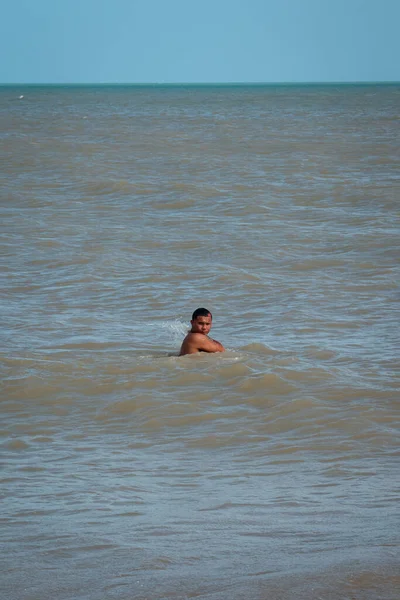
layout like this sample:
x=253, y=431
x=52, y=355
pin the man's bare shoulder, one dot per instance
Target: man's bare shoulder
x=199, y=342
x=190, y=343
x=195, y=336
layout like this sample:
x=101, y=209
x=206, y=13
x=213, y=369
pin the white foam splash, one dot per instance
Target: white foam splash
x=176, y=330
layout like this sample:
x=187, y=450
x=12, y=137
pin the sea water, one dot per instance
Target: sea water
x=270, y=471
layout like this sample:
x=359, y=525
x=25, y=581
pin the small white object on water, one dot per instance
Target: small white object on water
x=20, y=97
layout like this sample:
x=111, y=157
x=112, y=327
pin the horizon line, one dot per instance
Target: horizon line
x=200, y=83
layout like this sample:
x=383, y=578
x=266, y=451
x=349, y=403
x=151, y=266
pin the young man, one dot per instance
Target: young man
x=197, y=339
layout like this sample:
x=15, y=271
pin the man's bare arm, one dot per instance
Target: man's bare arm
x=206, y=344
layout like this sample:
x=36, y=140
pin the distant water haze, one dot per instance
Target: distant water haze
x=268, y=471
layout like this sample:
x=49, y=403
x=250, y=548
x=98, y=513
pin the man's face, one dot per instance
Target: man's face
x=201, y=325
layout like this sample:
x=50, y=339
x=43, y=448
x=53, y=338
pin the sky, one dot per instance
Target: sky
x=203, y=41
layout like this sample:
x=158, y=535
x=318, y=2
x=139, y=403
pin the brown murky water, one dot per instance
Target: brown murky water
x=270, y=471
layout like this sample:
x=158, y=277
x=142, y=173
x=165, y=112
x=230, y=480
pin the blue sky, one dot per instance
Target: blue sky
x=134, y=41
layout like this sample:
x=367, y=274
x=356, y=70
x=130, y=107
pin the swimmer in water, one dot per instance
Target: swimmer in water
x=197, y=339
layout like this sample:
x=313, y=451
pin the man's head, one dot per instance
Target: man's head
x=201, y=321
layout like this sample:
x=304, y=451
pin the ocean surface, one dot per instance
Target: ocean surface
x=268, y=472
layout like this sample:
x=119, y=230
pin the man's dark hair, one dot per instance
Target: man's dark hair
x=201, y=312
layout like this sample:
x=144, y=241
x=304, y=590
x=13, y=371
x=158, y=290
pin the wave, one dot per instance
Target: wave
x=259, y=348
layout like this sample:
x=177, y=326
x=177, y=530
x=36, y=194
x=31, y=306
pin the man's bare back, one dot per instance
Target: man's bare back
x=197, y=339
